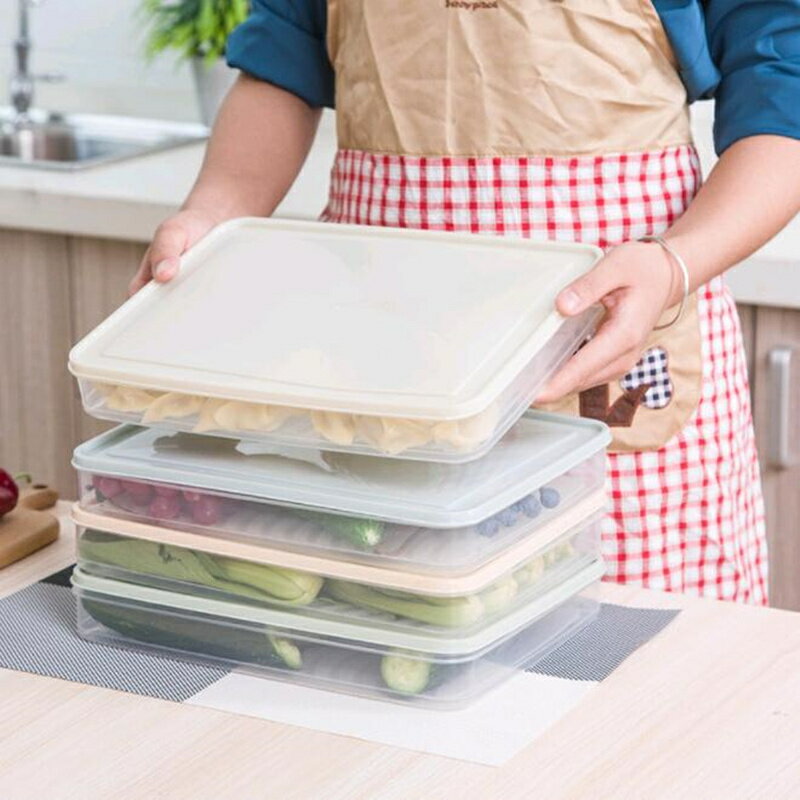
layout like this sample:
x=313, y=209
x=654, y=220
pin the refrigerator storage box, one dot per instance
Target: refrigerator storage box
x=413, y=344
x=440, y=672
x=440, y=519
x=481, y=603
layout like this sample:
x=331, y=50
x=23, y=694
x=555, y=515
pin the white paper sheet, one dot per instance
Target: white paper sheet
x=490, y=731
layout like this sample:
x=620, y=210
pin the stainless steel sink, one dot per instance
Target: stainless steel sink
x=80, y=141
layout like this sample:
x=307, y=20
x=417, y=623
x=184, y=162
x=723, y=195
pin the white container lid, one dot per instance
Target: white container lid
x=344, y=318
x=540, y=448
x=435, y=643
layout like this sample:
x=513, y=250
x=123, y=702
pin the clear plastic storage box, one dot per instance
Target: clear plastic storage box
x=445, y=671
x=482, y=603
x=443, y=520
x=413, y=344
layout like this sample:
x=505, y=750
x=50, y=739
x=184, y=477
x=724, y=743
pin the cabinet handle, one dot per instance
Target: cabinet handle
x=780, y=405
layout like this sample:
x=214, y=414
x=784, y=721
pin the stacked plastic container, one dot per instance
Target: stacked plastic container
x=328, y=473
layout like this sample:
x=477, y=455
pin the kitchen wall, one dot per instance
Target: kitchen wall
x=97, y=44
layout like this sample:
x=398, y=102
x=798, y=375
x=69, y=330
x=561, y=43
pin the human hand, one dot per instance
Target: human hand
x=172, y=239
x=636, y=283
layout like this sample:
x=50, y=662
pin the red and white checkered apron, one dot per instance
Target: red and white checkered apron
x=688, y=517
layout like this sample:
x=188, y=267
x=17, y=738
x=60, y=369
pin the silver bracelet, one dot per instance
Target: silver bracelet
x=677, y=258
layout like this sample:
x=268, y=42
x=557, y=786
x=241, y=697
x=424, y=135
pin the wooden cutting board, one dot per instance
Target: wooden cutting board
x=30, y=526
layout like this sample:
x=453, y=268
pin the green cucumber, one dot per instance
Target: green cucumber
x=195, y=636
x=287, y=651
x=407, y=675
x=365, y=534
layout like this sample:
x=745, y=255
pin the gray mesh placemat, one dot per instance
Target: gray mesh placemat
x=595, y=652
x=37, y=635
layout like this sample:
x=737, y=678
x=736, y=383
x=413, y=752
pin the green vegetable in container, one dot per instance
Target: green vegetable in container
x=499, y=595
x=407, y=675
x=287, y=651
x=530, y=573
x=197, y=636
x=448, y=612
x=289, y=586
x=363, y=533
x=142, y=558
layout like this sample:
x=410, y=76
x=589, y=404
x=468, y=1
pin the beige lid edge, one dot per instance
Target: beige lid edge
x=571, y=518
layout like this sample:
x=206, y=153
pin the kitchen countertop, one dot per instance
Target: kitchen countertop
x=127, y=200
x=709, y=708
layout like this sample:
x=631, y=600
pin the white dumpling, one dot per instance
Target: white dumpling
x=394, y=435
x=206, y=420
x=172, y=405
x=236, y=415
x=130, y=399
x=275, y=416
x=336, y=428
x=467, y=433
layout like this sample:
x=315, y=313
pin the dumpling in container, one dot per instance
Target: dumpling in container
x=393, y=435
x=173, y=405
x=103, y=389
x=335, y=427
x=236, y=415
x=206, y=420
x=466, y=434
x=276, y=416
x=130, y=399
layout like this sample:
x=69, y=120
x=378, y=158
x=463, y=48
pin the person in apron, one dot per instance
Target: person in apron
x=566, y=120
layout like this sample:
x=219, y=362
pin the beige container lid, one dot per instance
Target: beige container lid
x=345, y=318
x=571, y=519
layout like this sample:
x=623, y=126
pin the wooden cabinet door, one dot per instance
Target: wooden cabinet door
x=36, y=400
x=776, y=337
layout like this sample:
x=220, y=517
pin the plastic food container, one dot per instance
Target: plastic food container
x=481, y=603
x=438, y=519
x=444, y=671
x=418, y=345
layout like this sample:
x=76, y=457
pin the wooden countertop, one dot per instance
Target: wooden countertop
x=708, y=709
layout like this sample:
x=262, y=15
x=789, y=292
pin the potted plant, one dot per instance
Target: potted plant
x=197, y=31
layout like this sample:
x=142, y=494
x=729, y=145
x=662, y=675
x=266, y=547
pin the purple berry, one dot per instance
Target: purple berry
x=530, y=506
x=507, y=517
x=549, y=496
x=489, y=527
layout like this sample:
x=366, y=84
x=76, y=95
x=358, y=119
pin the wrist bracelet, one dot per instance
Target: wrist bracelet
x=676, y=257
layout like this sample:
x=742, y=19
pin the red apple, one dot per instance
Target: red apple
x=9, y=493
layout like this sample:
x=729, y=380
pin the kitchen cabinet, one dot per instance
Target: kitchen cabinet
x=53, y=290
x=772, y=340
x=35, y=388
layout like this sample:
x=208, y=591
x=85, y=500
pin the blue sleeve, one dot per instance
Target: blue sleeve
x=756, y=45
x=283, y=42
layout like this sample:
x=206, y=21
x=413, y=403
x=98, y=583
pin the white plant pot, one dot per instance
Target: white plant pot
x=213, y=82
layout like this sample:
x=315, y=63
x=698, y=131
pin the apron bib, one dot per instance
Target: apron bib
x=437, y=81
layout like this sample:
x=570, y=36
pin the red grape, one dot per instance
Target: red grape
x=140, y=492
x=166, y=491
x=108, y=487
x=165, y=507
x=206, y=510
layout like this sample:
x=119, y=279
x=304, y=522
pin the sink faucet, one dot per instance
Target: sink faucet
x=22, y=80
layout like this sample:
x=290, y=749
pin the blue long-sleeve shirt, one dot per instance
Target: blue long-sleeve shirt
x=745, y=53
